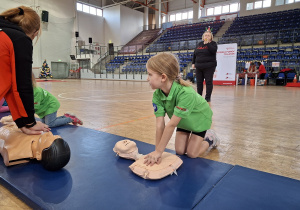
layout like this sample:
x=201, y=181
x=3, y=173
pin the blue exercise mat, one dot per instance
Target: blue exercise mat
x=95, y=178
x=248, y=189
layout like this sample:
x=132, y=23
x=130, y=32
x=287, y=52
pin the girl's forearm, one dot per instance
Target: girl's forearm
x=159, y=133
x=166, y=136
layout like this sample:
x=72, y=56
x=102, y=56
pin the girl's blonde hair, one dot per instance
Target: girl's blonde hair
x=25, y=17
x=166, y=63
x=212, y=36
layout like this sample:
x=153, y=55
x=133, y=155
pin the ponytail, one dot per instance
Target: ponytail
x=25, y=17
x=182, y=82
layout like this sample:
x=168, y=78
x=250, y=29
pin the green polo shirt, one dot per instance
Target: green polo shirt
x=186, y=103
x=44, y=102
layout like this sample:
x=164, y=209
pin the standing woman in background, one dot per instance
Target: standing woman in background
x=18, y=27
x=205, y=62
x=261, y=70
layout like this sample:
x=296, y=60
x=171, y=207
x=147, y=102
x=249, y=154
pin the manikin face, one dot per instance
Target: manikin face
x=125, y=145
x=154, y=79
x=207, y=36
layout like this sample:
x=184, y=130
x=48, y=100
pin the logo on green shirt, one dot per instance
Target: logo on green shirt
x=182, y=109
x=154, y=107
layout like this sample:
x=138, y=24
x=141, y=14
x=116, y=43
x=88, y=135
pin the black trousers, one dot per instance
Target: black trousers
x=208, y=75
x=262, y=75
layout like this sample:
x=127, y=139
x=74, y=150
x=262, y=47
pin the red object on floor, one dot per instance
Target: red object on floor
x=291, y=84
x=295, y=79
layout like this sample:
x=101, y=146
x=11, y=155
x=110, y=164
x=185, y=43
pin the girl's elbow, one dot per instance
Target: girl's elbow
x=171, y=125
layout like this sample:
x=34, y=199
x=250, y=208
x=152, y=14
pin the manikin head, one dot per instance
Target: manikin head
x=126, y=149
x=53, y=152
x=125, y=146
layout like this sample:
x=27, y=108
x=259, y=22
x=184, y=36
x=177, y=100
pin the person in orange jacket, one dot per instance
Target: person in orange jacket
x=18, y=27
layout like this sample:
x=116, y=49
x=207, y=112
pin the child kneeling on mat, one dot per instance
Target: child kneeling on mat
x=187, y=110
x=46, y=106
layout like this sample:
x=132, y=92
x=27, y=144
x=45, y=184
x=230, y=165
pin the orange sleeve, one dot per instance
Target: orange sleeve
x=8, y=85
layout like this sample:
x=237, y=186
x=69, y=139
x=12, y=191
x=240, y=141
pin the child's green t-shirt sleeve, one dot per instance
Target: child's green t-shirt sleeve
x=185, y=105
x=158, y=107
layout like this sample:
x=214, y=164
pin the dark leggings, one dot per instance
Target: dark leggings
x=208, y=75
x=262, y=75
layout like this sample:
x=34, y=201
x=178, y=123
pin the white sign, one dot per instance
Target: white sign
x=275, y=64
x=226, y=64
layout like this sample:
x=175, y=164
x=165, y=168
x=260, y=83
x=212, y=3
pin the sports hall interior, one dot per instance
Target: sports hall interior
x=97, y=51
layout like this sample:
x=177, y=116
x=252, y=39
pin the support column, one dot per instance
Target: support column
x=158, y=14
x=196, y=7
x=146, y=18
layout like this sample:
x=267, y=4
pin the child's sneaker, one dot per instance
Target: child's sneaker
x=68, y=114
x=75, y=120
x=211, y=135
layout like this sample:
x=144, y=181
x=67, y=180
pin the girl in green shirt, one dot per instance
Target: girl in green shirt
x=46, y=106
x=187, y=110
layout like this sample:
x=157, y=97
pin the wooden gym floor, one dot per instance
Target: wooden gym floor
x=258, y=126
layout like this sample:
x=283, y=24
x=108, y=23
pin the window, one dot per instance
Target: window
x=184, y=15
x=172, y=17
x=86, y=8
x=79, y=6
x=99, y=12
x=279, y=2
x=199, y=15
x=289, y=1
x=297, y=0
x=249, y=6
x=93, y=10
x=266, y=3
x=163, y=20
x=89, y=9
x=234, y=7
x=190, y=14
x=178, y=16
x=210, y=11
x=225, y=9
x=257, y=4
x=218, y=10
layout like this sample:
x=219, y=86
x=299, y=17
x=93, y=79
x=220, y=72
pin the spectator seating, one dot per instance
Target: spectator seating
x=183, y=37
x=139, y=42
x=288, y=57
x=137, y=63
x=267, y=28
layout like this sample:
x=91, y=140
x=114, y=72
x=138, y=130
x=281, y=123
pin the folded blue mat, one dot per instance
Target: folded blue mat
x=248, y=189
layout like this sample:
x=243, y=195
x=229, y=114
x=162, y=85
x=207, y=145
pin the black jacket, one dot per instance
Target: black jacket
x=16, y=70
x=205, y=55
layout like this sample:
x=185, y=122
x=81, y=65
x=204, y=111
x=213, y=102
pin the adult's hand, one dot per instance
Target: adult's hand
x=206, y=41
x=37, y=129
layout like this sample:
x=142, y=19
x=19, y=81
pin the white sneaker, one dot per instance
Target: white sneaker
x=211, y=135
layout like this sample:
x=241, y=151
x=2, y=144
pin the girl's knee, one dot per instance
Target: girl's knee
x=192, y=154
x=180, y=152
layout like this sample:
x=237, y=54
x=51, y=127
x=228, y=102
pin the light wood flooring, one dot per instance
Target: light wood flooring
x=258, y=126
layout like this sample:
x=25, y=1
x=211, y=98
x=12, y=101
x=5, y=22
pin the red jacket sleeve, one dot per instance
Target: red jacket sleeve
x=15, y=83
